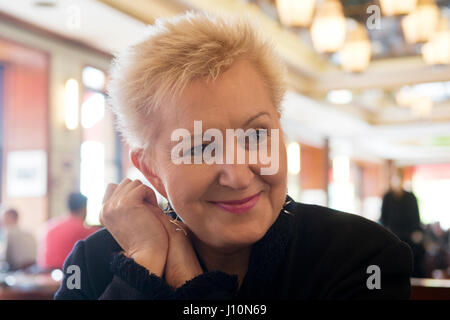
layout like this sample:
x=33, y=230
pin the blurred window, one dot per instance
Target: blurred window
x=93, y=78
x=100, y=149
x=342, y=187
x=431, y=184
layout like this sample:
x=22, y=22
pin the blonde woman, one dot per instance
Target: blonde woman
x=230, y=230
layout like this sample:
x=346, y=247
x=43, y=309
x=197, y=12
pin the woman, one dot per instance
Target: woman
x=232, y=230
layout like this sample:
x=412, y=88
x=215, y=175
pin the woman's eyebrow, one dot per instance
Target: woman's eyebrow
x=255, y=116
x=192, y=136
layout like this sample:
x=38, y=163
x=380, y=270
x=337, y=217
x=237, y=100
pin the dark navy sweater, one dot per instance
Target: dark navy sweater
x=312, y=253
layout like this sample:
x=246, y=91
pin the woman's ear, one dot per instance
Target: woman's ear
x=138, y=160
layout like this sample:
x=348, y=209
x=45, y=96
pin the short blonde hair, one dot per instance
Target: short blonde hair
x=176, y=51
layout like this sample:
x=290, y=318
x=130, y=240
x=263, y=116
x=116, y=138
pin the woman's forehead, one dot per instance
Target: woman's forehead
x=220, y=120
x=236, y=95
x=229, y=102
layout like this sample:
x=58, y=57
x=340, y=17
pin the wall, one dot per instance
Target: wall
x=313, y=174
x=24, y=120
x=65, y=61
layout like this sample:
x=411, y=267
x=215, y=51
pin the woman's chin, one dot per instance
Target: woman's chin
x=231, y=230
x=242, y=235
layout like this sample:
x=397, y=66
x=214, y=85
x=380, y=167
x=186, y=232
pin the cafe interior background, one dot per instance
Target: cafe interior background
x=368, y=90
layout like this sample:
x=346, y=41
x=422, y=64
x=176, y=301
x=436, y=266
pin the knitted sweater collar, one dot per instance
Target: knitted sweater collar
x=269, y=252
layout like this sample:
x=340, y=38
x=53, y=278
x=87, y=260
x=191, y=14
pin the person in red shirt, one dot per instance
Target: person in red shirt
x=63, y=232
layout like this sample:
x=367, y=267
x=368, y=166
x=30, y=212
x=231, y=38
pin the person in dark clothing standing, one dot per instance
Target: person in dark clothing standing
x=400, y=214
x=230, y=231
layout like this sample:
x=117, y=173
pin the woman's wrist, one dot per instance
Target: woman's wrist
x=180, y=277
x=154, y=261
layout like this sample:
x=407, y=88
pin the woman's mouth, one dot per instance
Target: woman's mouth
x=238, y=206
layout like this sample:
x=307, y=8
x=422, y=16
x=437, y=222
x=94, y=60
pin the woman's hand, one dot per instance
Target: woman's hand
x=131, y=214
x=182, y=263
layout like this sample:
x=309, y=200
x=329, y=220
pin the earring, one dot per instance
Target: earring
x=284, y=207
x=169, y=210
x=180, y=228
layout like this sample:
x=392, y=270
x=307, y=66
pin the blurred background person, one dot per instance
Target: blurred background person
x=438, y=251
x=62, y=233
x=400, y=214
x=19, y=245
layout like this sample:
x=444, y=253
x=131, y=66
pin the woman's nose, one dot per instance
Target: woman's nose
x=235, y=176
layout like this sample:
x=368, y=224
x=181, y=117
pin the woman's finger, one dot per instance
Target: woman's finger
x=109, y=191
x=122, y=185
x=143, y=193
x=130, y=186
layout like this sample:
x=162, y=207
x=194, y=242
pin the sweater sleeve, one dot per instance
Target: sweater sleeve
x=133, y=281
x=210, y=285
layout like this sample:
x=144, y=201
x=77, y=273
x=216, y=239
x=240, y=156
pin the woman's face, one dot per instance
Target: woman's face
x=198, y=192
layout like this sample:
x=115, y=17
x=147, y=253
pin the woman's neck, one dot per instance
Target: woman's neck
x=230, y=261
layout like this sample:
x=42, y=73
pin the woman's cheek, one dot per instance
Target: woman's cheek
x=279, y=176
x=278, y=181
x=188, y=183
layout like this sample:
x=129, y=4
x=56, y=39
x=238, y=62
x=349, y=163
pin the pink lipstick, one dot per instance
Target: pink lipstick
x=238, y=206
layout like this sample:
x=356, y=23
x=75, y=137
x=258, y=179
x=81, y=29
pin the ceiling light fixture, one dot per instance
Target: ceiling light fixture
x=296, y=13
x=340, y=96
x=422, y=22
x=357, y=50
x=422, y=107
x=397, y=7
x=437, y=50
x=329, y=27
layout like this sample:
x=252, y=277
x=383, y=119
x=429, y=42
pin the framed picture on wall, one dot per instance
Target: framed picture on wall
x=26, y=173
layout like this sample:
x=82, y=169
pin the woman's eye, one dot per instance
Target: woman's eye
x=258, y=136
x=197, y=149
x=261, y=135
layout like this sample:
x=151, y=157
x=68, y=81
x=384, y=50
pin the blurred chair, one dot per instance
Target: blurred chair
x=19, y=245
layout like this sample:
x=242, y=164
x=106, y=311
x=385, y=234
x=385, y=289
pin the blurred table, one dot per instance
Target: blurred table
x=22, y=286
x=430, y=289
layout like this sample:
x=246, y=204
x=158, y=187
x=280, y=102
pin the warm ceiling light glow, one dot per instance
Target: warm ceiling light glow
x=405, y=97
x=293, y=152
x=356, y=53
x=297, y=13
x=329, y=27
x=422, y=107
x=340, y=96
x=422, y=22
x=71, y=104
x=437, y=50
x=396, y=7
